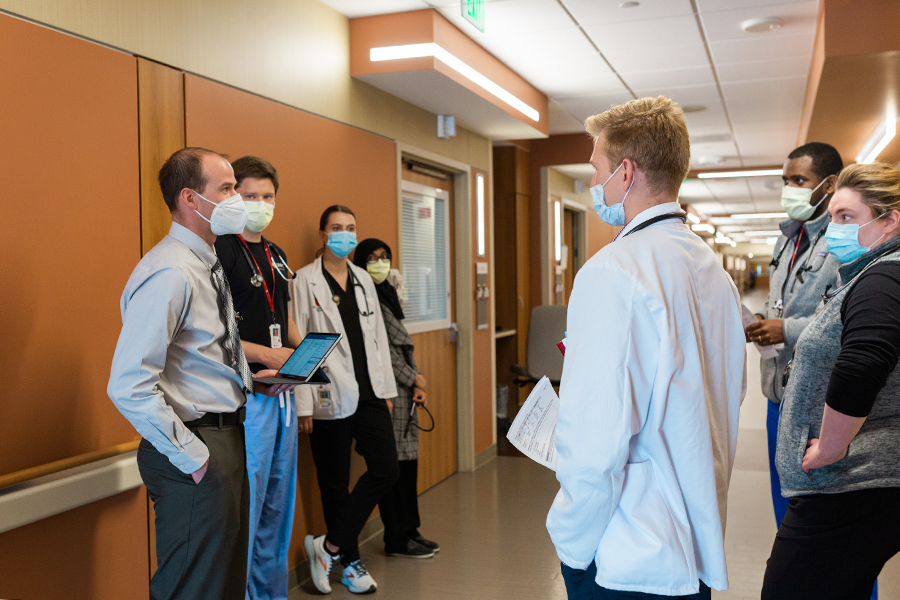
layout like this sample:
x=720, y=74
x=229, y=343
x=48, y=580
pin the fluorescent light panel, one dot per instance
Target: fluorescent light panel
x=479, y=213
x=773, y=232
x=432, y=49
x=557, y=209
x=693, y=218
x=703, y=227
x=726, y=174
x=877, y=142
x=746, y=216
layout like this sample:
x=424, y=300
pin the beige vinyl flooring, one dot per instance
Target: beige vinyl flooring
x=490, y=525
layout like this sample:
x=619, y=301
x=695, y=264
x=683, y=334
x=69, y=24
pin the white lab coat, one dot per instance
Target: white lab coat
x=313, y=309
x=649, y=399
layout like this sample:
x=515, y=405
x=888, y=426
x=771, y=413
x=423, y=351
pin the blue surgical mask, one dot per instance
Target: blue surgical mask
x=341, y=243
x=842, y=241
x=611, y=215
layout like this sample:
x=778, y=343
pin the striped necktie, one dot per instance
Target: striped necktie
x=238, y=362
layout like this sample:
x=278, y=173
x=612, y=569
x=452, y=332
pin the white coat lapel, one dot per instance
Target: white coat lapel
x=324, y=298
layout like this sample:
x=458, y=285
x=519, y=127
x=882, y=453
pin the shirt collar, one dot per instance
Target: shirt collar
x=195, y=243
x=653, y=211
x=791, y=228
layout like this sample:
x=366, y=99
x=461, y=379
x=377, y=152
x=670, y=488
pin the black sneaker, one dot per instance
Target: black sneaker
x=411, y=550
x=433, y=546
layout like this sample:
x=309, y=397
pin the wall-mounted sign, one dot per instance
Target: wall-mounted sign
x=473, y=12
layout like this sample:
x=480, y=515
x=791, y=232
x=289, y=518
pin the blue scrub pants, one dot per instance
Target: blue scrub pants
x=271, y=438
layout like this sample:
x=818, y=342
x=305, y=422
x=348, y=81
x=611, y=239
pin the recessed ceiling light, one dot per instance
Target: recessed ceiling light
x=629, y=4
x=693, y=108
x=762, y=24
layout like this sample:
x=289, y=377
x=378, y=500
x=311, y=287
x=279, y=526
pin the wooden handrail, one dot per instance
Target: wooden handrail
x=66, y=463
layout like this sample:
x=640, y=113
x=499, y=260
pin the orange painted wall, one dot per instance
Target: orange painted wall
x=69, y=144
x=482, y=340
x=320, y=163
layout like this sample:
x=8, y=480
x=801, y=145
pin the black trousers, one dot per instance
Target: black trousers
x=399, y=508
x=833, y=545
x=346, y=512
x=582, y=585
x=201, y=529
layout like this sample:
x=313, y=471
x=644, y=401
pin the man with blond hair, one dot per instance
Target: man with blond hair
x=653, y=379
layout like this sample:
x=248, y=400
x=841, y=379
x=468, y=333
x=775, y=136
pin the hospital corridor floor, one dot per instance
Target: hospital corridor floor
x=490, y=525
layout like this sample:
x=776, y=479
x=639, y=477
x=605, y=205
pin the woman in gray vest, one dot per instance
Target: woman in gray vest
x=838, y=452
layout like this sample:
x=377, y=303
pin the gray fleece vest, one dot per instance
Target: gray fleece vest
x=873, y=460
x=817, y=270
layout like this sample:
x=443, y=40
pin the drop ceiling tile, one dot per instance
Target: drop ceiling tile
x=777, y=99
x=511, y=17
x=770, y=206
x=637, y=59
x=766, y=188
x=556, y=76
x=707, y=208
x=799, y=17
x=584, y=107
x=695, y=190
x=728, y=189
x=739, y=207
x=650, y=33
x=568, y=44
x=797, y=66
x=364, y=8
x=599, y=12
x=704, y=95
x=716, y=5
x=670, y=79
x=763, y=48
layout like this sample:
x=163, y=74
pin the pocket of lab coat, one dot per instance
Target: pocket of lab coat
x=641, y=547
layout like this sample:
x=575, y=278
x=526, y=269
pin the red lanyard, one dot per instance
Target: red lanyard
x=258, y=270
x=796, y=247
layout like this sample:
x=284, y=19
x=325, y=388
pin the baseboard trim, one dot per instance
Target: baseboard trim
x=485, y=456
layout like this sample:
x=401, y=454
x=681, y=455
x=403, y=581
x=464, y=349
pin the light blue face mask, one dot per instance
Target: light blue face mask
x=842, y=241
x=611, y=215
x=341, y=243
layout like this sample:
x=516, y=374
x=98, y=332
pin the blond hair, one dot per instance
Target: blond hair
x=652, y=133
x=877, y=183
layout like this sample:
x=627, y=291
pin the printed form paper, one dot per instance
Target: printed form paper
x=747, y=318
x=534, y=427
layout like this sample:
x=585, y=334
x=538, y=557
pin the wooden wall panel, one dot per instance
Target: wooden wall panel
x=96, y=551
x=161, y=124
x=320, y=163
x=69, y=140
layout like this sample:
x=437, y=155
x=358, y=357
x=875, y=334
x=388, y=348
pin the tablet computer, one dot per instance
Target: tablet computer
x=303, y=365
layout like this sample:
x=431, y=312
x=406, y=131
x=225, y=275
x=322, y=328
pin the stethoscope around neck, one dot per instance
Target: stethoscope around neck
x=279, y=265
x=355, y=283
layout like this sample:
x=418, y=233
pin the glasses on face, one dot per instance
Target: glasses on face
x=372, y=259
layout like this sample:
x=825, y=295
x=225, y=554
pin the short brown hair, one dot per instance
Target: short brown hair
x=255, y=167
x=184, y=169
x=877, y=183
x=652, y=133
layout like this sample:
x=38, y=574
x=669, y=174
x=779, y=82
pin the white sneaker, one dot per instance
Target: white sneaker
x=357, y=578
x=320, y=562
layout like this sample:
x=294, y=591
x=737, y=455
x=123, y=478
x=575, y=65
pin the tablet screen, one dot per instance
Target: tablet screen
x=308, y=354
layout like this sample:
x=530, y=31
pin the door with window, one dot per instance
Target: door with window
x=427, y=265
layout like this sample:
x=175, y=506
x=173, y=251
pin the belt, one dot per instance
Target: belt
x=220, y=420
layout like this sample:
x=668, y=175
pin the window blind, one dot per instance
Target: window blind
x=426, y=260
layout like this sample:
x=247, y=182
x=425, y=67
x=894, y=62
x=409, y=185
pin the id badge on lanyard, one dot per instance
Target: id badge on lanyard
x=324, y=397
x=275, y=335
x=779, y=307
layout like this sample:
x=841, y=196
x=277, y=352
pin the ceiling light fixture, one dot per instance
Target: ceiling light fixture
x=762, y=24
x=630, y=4
x=726, y=174
x=432, y=49
x=693, y=218
x=880, y=138
x=766, y=234
x=703, y=227
x=692, y=108
x=747, y=216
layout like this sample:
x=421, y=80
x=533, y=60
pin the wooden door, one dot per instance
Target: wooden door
x=435, y=354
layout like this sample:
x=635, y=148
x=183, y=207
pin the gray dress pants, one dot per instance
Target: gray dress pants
x=201, y=529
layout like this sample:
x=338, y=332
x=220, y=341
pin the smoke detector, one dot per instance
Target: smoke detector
x=762, y=24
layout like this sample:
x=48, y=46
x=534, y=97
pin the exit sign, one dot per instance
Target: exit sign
x=473, y=12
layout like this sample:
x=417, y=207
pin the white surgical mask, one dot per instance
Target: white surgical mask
x=261, y=214
x=795, y=201
x=229, y=216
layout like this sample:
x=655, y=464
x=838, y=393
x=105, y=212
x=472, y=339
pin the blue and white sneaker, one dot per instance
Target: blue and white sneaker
x=357, y=578
x=320, y=562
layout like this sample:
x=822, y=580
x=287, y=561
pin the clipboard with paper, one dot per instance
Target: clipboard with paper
x=533, y=431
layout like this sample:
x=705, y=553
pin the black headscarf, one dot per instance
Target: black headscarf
x=387, y=294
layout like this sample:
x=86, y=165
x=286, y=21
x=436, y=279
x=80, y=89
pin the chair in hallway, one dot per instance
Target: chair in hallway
x=546, y=327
